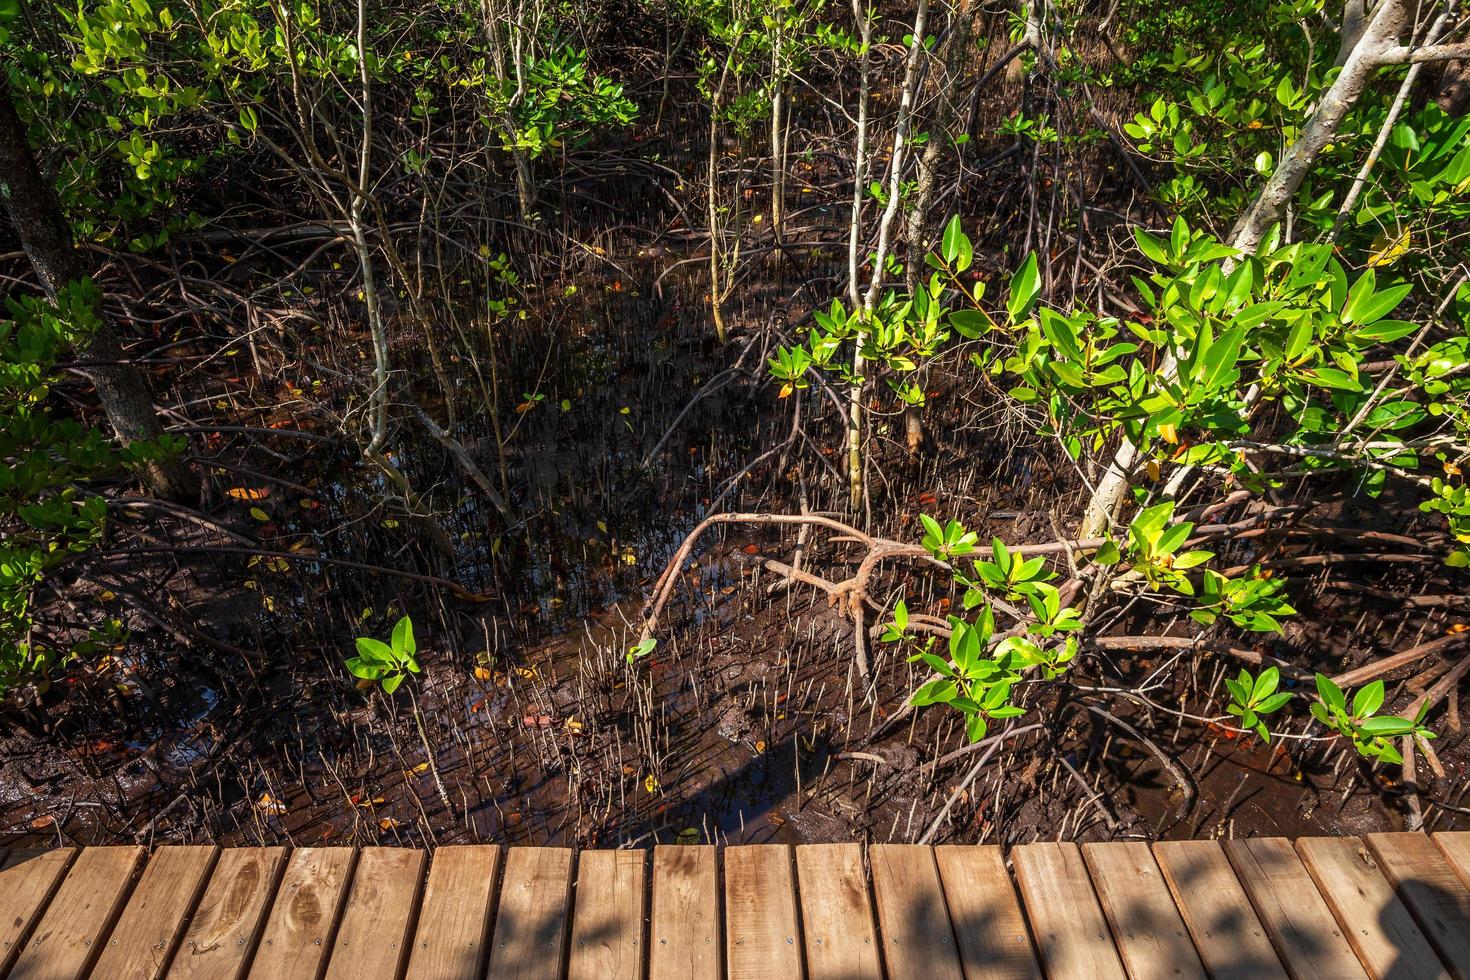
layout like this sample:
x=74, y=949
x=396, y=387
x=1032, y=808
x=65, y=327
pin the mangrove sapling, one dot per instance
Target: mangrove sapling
x=387, y=664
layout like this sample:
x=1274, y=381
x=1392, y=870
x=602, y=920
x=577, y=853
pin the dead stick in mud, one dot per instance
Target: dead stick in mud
x=1181, y=777
x=1190, y=642
x=990, y=745
x=1360, y=675
x=462, y=457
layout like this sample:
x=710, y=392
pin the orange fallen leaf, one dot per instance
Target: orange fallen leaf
x=269, y=804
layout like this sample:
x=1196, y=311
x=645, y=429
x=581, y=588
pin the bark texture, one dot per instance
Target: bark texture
x=35, y=211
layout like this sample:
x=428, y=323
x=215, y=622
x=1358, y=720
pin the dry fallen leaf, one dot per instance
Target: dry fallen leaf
x=268, y=804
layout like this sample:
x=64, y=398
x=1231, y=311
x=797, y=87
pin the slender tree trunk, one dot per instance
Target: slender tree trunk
x=778, y=152
x=1377, y=39
x=525, y=181
x=955, y=56
x=880, y=255
x=716, y=287
x=864, y=17
x=36, y=212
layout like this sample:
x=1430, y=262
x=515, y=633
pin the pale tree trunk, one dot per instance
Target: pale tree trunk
x=378, y=401
x=36, y=213
x=1031, y=39
x=716, y=285
x=863, y=16
x=955, y=57
x=525, y=182
x=778, y=160
x=1377, y=45
x=885, y=231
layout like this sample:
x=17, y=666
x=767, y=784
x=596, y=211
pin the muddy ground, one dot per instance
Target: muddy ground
x=228, y=715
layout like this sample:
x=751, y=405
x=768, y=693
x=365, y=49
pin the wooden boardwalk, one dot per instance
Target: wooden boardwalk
x=1393, y=906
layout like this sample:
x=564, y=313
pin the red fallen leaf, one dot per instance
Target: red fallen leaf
x=928, y=498
x=752, y=549
x=42, y=822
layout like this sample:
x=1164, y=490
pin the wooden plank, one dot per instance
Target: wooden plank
x=1150, y=934
x=1378, y=926
x=762, y=937
x=1456, y=847
x=28, y=880
x=1307, y=937
x=836, y=913
x=377, y=922
x=224, y=931
x=453, y=938
x=1433, y=892
x=150, y=928
x=1229, y=936
x=298, y=934
x=70, y=935
x=684, y=938
x=1068, y=923
x=608, y=922
x=985, y=914
x=531, y=926
x=913, y=917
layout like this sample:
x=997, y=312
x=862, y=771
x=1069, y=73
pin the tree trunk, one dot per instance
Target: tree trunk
x=1377, y=38
x=35, y=211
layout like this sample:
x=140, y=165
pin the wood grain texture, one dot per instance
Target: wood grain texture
x=531, y=924
x=986, y=916
x=1456, y=847
x=608, y=941
x=1150, y=934
x=684, y=934
x=453, y=938
x=836, y=913
x=1226, y=931
x=377, y=923
x=1067, y=921
x=149, y=929
x=222, y=935
x=1380, y=929
x=762, y=935
x=913, y=918
x=302, y=925
x=1432, y=890
x=1305, y=932
x=28, y=880
x=71, y=933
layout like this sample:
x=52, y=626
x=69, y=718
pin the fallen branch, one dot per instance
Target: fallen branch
x=1378, y=668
